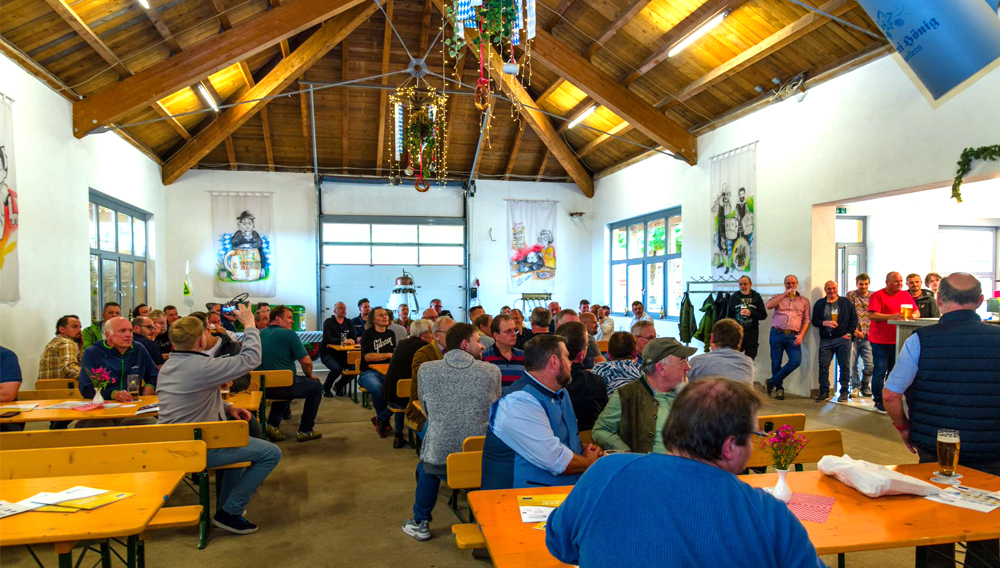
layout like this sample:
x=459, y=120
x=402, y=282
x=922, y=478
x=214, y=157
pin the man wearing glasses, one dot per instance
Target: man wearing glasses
x=644, y=331
x=503, y=354
x=144, y=333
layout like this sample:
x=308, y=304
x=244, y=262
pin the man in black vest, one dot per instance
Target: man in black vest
x=950, y=373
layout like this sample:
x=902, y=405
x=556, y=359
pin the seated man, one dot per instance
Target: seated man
x=640, y=314
x=622, y=369
x=533, y=439
x=377, y=345
x=400, y=366
x=429, y=314
x=433, y=352
x=144, y=333
x=541, y=321
x=121, y=358
x=282, y=348
x=634, y=418
x=216, y=325
x=523, y=333
x=141, y=310
x=262, y=318
x=188, y=390
x=10, y=383
x=219, y=346
x=396, y=328
x=503, y=354
x=337, y=330
x=61, y=356
x=162, y=338
x=361, y=322
x=456, y=393
x=725, y=358
x=586, y=390
x=709, y=438
x=95, y=332
x=644, y=332
x=593, y=354
x=483, y=324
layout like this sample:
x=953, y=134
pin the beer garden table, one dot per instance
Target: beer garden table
x=247, y=400
x=856, y=523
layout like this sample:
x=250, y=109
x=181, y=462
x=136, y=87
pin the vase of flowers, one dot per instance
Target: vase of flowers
x=784, y=444
x=100, y=379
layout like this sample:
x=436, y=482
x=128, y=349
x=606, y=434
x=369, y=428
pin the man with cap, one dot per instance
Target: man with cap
x=634, y=418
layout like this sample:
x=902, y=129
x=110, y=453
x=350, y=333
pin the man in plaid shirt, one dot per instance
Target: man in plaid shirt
x=61, y=357
x=860, y=346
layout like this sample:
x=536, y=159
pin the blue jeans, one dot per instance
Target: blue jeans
x=861, y=349
x=302, y=387
x=885, y=359
x=781, y=344
x=239, y=485
x=372, y=380
x=426, y=495
x=827, y=349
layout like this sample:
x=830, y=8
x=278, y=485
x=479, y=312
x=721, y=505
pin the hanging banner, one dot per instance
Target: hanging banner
x=242, y=229
x=531, y=247
x=943, y=41
x=9, y=287
x=733, y=192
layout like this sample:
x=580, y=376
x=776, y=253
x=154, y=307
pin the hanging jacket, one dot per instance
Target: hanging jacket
x=722, y=306
x=688, y=325
x=704, y=332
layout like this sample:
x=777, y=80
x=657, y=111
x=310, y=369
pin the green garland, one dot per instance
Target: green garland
x=991, y=153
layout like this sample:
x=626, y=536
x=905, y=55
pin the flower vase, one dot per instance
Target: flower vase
x=781, y=491
x=98, y=399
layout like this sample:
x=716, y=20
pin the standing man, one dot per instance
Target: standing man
x=932, y=280
x=336, y=328
x=377, y=345
x=748, y=310
x=923, y=299
x=836, y=320
x=456, y=393
x=554, y=310
x=789, y=325
x=282, y=348
x=61, y=356
x=883, y=307
x=120, y=357
x=640, y=314
x=361, y=322
x=950, y=373
x=523, y=333
x=95, y=332
x=860, y=347
x=503, y=354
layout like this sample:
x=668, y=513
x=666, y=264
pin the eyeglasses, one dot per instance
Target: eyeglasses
x=646, y=337
x=509, y=332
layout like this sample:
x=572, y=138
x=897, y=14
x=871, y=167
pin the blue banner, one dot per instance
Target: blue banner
x=943, y=41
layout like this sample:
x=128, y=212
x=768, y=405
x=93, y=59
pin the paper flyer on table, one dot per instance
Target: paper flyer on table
x=68, y=405
x=968, y=498
x=7, y=509
x=22, y=406
x=96, y=501
x=537, y=508
x=78, y=492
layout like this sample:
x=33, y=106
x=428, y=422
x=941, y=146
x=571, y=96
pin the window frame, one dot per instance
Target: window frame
x=385, y=220
x=645, y=260
x=117, y=206
x=992, y=276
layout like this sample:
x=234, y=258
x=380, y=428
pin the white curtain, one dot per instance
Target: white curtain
x=733, y=208
x=9, y=289
x=243, y=234
x=531, y=246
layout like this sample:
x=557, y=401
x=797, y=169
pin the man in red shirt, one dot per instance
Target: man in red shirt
x=883, y=307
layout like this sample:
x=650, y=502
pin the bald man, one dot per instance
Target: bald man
x=429, y=314
x=836, y=319
x=950, y=373
x=883, y=307
x=337, y=330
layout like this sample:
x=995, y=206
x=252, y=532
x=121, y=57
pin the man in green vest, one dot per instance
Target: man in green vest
x=634, y=418
x=95, y=333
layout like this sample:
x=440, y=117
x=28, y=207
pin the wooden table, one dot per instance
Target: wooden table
x=247, y=400
x=856, y=522
x=380, y=367
x=352, y=347
x=125, y=518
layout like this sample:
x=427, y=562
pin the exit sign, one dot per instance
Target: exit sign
x=842, y=211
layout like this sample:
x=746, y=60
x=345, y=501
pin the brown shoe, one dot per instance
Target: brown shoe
x=779, y=394
x=307, y=436
x=398, y=442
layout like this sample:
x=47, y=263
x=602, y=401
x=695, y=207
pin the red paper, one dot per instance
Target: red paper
x=808, y=507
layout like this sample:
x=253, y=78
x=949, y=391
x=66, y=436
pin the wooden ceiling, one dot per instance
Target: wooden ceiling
x=146, y=70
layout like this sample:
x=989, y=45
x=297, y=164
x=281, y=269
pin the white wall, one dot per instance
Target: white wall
x=867, y=132
x=189, y=234
x=55, y=173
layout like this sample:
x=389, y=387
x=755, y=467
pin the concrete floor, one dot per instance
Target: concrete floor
x=340, y=501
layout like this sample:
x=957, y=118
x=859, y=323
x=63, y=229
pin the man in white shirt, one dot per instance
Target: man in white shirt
x=640, y=314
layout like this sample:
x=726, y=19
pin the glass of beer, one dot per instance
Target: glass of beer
x=834, y=311
x=906, y=310
x=132, y=383
x=948, y=445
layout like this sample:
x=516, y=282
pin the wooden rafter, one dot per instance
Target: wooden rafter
x=383, y=97
x=161, y=28
x=620, y=22
x=63, y=9
x=243, y=41
x=37, y=71
x=702, y=14
x=618, y=130
x=513, y=151
x=170, y=120
x=550, y=89
x=220, y=12
x=306, y=124
x=425, y=28
x=575, y=112
x=265, y=120
x=545, y=164
x=611, y=94
x=554, y=18
x=286, y=48
x=329, y=35
x=345, y=106
x=461, y=65
x=231, y=153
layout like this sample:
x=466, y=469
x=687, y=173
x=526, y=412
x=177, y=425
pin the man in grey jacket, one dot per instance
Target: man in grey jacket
x=189, y=392
x=456, y=393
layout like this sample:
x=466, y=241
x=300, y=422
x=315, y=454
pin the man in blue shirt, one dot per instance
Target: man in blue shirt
x=709, y=439
x=10, y=383
x=121, y=358
x=361, y=321
x=503, y=354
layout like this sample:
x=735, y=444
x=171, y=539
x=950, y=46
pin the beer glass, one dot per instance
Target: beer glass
x=132, y=385
x=948, y=445
x=906, y=310
x=834, y=311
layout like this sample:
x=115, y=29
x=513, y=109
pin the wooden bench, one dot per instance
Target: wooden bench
x=473, y=444
x=819, y=443
x=263, y=380
x=770, y=423
x=353, y=370
x=465, y=471
x=402, y=393
x=603, y=345
x=50, y=384
x=50, y=394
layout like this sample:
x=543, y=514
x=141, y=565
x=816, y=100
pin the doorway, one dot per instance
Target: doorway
x=851, y=236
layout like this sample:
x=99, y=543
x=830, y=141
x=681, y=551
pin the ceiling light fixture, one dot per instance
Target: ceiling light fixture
x=700, y=31
x=583, y=116
x=144, y=4
x=208, y=97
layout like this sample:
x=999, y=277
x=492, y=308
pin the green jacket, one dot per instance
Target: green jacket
x=687, y=325
x=92, y=335
x=704, y=333
x=633, y=419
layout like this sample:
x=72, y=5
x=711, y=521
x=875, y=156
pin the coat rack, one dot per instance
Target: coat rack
x=712, y=282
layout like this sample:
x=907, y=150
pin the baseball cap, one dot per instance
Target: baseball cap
x=658, y=349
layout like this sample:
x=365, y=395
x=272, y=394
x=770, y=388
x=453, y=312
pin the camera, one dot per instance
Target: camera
x=229, y=307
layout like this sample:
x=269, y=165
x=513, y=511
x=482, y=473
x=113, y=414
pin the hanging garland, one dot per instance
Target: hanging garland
x=991, y=153
x=419, y=133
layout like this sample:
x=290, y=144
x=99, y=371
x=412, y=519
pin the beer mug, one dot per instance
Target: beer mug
x=906, y=310
x=948, y=445
x=132, y=384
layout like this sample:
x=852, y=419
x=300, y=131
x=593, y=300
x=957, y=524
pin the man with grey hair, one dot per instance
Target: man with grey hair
x=541, y=321
x=400, y=367
x=337, y=330
x=432, y=352
x=644, y=331
x=950, y=373
x=121, y=358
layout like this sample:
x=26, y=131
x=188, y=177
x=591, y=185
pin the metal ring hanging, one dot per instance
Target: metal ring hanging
x=483, y=94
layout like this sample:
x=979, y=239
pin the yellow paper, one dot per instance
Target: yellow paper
x=540, y=526
x=56, y=509
x=541, y=500
x=90, y=503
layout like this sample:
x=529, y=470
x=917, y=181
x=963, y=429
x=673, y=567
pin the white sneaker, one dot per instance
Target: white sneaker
x=419, y=531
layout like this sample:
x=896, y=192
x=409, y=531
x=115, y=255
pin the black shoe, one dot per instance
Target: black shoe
x=379, y=427
x=398, y=442
x=233, y=523
x=823, y=397
x=844, y=397
x=287, y=414
x=779, y=394
x=770, y=388
x=327, y=394
x=339, y=391
x=880, y=408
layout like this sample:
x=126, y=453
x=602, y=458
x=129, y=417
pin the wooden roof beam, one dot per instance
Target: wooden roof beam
x=618, y=130
x=161, y=28
x=265, y=121
x=550, y=90
x=345, y=106
x=513, y=151
x=231, y=153
x=620, y=22
x=306, y=124
x=330, y=34
x=63, y=9
x=574, y=113
x=243, y=41
x=554, y=18
x=425, y=28
x=782, y=38
x=383, y=96
x=220, y=12
x=617, y=98
x=170, y=120
x=545, y=164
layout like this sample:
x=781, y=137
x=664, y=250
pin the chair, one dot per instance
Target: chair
x=353, y=370
x=603, y=345
x=263, y=380
x=51, y=394
x=465, y=471
x=49, y=384
x=473, y=444
x=585, y=438
x=772, y=422
x=819, y=443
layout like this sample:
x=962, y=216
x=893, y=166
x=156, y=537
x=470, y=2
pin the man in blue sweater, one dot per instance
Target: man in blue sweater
x=120, y=357
x=708, y=439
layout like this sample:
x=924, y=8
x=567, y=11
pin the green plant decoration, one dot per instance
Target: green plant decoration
x=991, y=153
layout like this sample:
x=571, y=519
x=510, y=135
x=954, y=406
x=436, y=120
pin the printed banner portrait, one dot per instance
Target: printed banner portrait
x=243, y=232
x=9, y=287
x=531, y=246
x=733, y=194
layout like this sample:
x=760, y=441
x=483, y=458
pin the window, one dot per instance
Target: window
x=646, y=264
x=394, y=241
x=118, y=255
x=972, y=250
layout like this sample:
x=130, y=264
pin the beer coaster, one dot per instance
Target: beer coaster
x=956, y=476
x=945, y=480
